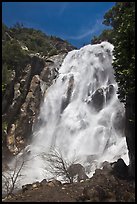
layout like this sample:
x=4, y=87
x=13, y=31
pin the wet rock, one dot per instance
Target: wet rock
x=109, y=92
x=91, y=158
x=98, y=99
x=66, y=99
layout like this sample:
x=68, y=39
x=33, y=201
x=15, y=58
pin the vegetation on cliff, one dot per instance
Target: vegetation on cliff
x=24, y=55
x=18, y=42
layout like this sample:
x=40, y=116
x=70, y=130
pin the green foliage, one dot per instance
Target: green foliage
x=122, y=18
x=53, y=52
x=4, y=126
x=4, y=30
x=35, y=40
x=13, y=57
x=18, y=42
x=6, y=75
x=106, y=35
x=12, y=54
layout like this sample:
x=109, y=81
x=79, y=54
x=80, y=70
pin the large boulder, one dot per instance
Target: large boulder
x=77, y=170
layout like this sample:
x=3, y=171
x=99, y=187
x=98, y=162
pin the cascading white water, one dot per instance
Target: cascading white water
x=81, y=114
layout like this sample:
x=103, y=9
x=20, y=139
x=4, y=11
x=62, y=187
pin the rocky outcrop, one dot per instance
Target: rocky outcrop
x=104, y=186
x=52, y=65
x=77, y=170
x=108, y=185
x=43, y=183
x=21, y=103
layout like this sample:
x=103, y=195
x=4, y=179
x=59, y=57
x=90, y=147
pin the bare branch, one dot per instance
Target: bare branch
x=58, y=165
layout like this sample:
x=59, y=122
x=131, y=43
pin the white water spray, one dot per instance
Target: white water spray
x=81, y=114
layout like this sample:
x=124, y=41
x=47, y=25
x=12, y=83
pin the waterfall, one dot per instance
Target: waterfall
x=81, y=114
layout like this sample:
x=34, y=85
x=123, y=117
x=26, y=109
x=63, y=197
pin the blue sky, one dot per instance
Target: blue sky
x=76, y=22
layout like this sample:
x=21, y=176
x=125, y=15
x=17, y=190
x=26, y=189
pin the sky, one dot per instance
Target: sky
x=76, y=22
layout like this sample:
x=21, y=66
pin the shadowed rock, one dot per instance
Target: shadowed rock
x=79, y=170
x=66, y=100
x=109, y=92
x=120, y=169
x=97, y=99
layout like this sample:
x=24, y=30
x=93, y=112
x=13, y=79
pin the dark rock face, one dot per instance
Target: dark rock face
x=37, y=65
x=21, y=103
x=130, y=133
x=30, y=109
x=120, y=169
